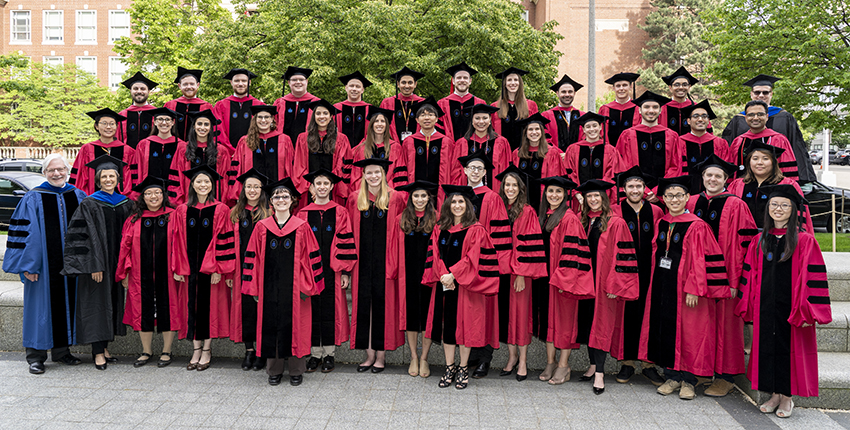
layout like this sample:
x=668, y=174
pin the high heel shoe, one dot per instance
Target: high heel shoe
x=205, y=366
x=99, y=366
x=509, y=371
x=448, y=376
x=462, y=377
x=521, y=378
x=193, y=365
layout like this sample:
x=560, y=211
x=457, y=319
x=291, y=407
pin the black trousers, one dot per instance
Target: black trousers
x=40, y=355
x=481, y=354
x=597, y=357
x=276, y=366
x=680, y=376
x=98, y=347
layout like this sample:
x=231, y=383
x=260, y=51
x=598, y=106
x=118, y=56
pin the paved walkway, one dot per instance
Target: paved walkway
x=226, y=397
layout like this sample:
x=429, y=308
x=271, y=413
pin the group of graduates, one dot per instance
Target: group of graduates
x=634, y=231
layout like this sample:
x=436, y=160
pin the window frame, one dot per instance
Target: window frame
x=45, y=28
x=77, y=26
x=12, y=39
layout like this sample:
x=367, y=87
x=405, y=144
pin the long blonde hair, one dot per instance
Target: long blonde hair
x=519, y=101
x=382, y=200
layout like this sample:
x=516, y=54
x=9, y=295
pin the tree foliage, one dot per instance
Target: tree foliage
x=47, y=104
x=806, y=43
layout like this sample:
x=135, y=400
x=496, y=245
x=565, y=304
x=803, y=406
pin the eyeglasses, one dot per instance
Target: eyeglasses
x=153, y=193
x=264, y=117
x=284, y=198
x=427, y=114
x=57, y=170
x=163, y=120
x=253, y=187
x=679, y=196
x=680, y=85
x=756, y=115
x=703, y=116
x=107, y=124
x=762, y=93
x=784, y=206
x=475, y=169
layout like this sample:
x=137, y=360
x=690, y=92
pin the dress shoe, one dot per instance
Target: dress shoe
x=275, y=379
x=361, y=368
x=424, y=368
x=139, y=362
x=99, y=366
x=68, y=359
x=653, y=376
x=561, y=375
x=598, y=391
x=164, y=363
x=296, y=380
x=687, y=392
x=585, y=378
x=313, y=364
x=625, y=374
x=260, y=363
x=328, y=364
x=521, y=378
x=248, y=362
x=785, y=414
x=36, y=368
x=111, y=359
x=669, y=387
x=482, y=370
x=376, y=369
x=508, y=372
x=205, y=366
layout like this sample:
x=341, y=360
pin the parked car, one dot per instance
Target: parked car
x=819, y=197
x=20, y=165
x=13, y=186
x=841, y=157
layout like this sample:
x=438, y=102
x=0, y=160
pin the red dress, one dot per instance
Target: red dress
x=82, y=176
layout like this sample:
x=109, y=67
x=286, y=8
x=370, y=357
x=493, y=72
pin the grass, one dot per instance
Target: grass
x=842, y=242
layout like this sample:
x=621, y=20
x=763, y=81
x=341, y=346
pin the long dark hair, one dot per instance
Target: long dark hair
x=314, y=141
x=514, y=211
x=192, y=197
x=211, y=153
x=139, y=206
x=554, y=219
x=520, y=102
x=775, y=173
x=261, y=211
x=371, y=141
x=252, y=138
x=606, y=212
x=155, y=130
x=791, y=235
x=491, y=132
x=408, y=221
x=447, y=219
x=542, y=146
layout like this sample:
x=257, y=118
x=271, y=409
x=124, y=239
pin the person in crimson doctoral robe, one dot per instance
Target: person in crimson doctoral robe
x=756, y=114
x=203, y=147
x=562, y=127
x=139, y=122
x=733, y=228
x=454, y=121
x=264, y=148
x=157, y=153
x=490, y=211
x=527, y=262
x=83, y=176
x=293, y=109
x=428, y=153
x=352, y=117
x=784, y=292
x=650, y=145
x=699, y=144
x=188, y=81
x=283, y=271
x=92, y=243
x=674, y=115
x=332, y=227
x=379, y=142
x=622, y=113
x=688, y=274
x=204, y=250
x=402, y=121
x=463, y=263
x=615, y=272
x=555, y=303
x=778, y=119
x=641, y=217
x=591, y=158
x=144, y=270
x=536, y=157
x=323, y=146
x=482, y=136
x=416, y=222
x=234, y=111
x=513, y=106
x=35, y=251
x=377, y=309
x=251, y=207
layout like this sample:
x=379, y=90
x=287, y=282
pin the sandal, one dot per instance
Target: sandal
x=561, y=375
x=785, y=414
x=163, y=363
x=462, y=377
x=205, y=366
x=424, y=368
x=191, y=365
x=139, y=362
x=413, y=370
x=449, y=376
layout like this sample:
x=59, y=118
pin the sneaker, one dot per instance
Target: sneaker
x=313, y=364
x=686, y=392
x=327, y=364
x=719, y=388
x=653, y=376
x=669, y=387
x=626, y=373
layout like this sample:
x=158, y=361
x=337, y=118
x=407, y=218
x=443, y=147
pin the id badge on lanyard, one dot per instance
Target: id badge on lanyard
x=667, y=262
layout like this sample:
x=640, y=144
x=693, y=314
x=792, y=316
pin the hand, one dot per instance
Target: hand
x=734, y=292
x=125, y=282
x=611, y=296
x=215, y=278
x=179, y=278
x=229, y=283
x=32, y=277
x=580, y=199
x=691, y=300
x=807, y=325
x=563, y=155
x=447, y=279
x=651, y=197
x=97, y=277
x=519, y=283
x=344, y=281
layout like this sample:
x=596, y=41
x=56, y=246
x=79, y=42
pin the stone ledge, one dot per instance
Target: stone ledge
x=833, y=384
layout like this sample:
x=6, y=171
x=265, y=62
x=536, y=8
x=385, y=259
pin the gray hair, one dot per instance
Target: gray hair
x=52, y=157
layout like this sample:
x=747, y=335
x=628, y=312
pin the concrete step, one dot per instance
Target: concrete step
x=838, y=273
x=835, y=336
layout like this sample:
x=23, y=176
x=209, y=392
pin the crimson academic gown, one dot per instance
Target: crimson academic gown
x=243, y=308
x=756, y=200
x=787, y=162
x=397, y=176
x=621, y=117
x=157, y=157
x=203, y=244
x=82, y=176
x=183, y=106
x=411, y=249
x=273, y=158
x=377, y=302
x=779, y=297
x=455, y=120
x=675, y=336
x=283, y=269
x=137, y=126
x=429, y=159
x=332, y=227
x=338, y=163
x=673, y=118
x=152, y=292
x=570, y=279
x=695, y=150
x=535, y=168
x=509, y=127
x=293, y=114
x=222, y=167
x=561, y=128
x=235, y=116
x=467, y=254
x=592, y=160
x=655, y=149
x=490, y=212
x=527, y=259
x=404, y=119
x=496, y=148
x=733, y=228
x=352, y=120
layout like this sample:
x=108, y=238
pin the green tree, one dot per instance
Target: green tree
x=47, y=104
x=806, y=43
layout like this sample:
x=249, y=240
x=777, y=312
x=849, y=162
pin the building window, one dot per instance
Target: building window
x=53, y=61
x=88, y=64
x=119, y=25
x=21, y=26
x=117, y=68
x=54, y=27
x=86, y=26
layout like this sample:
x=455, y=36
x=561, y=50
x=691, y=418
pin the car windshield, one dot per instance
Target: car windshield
x=30, y=181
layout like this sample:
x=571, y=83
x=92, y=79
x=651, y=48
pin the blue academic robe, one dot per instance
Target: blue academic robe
x=35, y=245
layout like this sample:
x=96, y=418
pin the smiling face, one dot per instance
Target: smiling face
x=566, y=95
x=420, y=199
x=461, y=81
x=163, y=124
x=427, y=120
x=512, y=83
x=140, y=93
x=634, y=190
x=240, y=84
x=714, y=180
x=354, y=90
x=554, y=196
x=761, y=163
x=202, y=128
x=153, y=198
x=253, y=190
x=322, y=116
x=282, y=200
x=202, y=184
x=264, y=121
x=106, y=127
x=780, y=209
x=374, y=175
x=321, y=187
x=592, y=131
x=763, y=93
x=406, y=85
x=533, y=133
x=474, y=172
x=679, y=89
x=756, y=117
x=649, y=111
x=298, y=85
x=56, y=173
x=510, y=186
x=481, y=122
x=699, y=120
x=188, y=86
x=676, y=198
x=458, y=206
x=108, y=180
x=621, y=90
x=594, y=200
x=378, y=124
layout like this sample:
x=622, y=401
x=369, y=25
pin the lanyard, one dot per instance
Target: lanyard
x=405, y=113
x=427, y=145
x=565, y=116
x=669, y=234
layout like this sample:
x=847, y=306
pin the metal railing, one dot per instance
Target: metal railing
x=37, y=152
